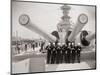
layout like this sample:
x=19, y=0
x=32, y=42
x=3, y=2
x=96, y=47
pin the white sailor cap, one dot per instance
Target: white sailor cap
x=78, y=44
x=63, y=43
x=53, y=43
x=59, y=43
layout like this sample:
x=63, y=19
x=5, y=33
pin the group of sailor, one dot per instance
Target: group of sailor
x=63, y=53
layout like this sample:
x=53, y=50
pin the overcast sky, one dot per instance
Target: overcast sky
x=47, y=16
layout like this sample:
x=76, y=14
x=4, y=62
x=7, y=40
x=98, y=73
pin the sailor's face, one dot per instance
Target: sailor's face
x=48, y=43
x=63, y=43
x=59, y=44
x=69, y=44
x=72, y=44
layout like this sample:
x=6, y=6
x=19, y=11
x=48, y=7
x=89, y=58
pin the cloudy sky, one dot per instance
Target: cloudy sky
x=47, y=16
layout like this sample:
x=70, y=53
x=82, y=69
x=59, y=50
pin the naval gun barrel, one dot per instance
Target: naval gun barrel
x=25, y=21
x=81, y=22
x=90, y=37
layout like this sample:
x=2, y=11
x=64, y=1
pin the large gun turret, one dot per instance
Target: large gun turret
x=81, y=22
x=25, y=21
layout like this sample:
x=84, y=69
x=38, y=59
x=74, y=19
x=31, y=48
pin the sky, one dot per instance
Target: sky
x=47, y=16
